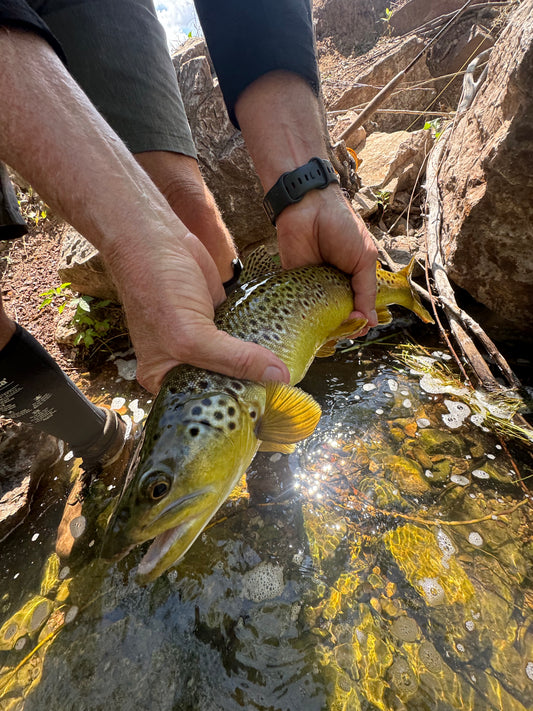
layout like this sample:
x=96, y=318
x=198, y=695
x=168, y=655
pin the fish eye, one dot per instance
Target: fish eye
x=157, y=485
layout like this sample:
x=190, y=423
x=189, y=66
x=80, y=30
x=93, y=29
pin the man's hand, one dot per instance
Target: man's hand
x=168, y=295
x=166, y=278
x=282, y=123
x=324, y=228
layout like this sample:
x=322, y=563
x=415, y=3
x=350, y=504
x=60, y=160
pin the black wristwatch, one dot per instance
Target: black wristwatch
x=292, y=186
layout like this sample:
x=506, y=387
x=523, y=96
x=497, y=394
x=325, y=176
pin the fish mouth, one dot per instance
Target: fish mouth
x=159, y=549
x=118, y=542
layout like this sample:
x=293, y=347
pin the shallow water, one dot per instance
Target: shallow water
x=386, y=564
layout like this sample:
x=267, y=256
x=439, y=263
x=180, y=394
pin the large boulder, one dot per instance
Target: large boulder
x=486, y=182
x=81, y=264
x=355, y=82
x=224, y=161
x=392, y=162
x=349, y=26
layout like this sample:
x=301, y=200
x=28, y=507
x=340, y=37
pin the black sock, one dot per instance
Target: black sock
x=34, y=390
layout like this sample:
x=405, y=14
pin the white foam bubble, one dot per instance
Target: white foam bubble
x=480, y=474
x=423, y=422
x=433, y=591
x=529, y=670
x=475, y=538
x=452, y=421
x=369, y=386
x=264, y=582
x=445, y=543
x=460, y=480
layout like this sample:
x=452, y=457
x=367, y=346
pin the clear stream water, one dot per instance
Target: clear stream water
x=386, y=564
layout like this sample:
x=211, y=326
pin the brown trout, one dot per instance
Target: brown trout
x=204, y=429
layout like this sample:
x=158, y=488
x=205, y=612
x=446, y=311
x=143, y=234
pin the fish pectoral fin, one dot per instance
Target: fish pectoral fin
x=384, y=315
x=328, y=349
x=347, y=329
x=276, y=447
x=290, y=414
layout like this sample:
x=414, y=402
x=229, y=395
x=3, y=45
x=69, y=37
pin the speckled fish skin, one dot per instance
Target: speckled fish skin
x=204, y=428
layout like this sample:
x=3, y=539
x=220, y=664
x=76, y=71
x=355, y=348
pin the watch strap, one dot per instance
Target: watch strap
x=292, y=186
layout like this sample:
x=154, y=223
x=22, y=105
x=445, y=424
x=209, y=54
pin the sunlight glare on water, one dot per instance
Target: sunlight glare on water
x=384, y=564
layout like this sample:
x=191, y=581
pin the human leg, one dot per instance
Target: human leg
x=34, y=390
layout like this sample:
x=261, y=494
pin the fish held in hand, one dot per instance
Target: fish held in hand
x=204, y=428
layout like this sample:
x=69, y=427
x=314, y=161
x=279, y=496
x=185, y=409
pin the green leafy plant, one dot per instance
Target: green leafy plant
x=386, y=19
x=90, y=320
x=54, y=294
x=435, y=127
x=382, y=198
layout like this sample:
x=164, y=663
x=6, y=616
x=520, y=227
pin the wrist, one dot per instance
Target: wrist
x=292, y=186
x=281, y=122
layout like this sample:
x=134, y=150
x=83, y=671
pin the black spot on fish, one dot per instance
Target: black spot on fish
x=218, y=415
x=232, y=425
x=253, y=414
x=194, y=431
x=196, y=410
x=236, y=385
x=206, y=401
x=231, y=411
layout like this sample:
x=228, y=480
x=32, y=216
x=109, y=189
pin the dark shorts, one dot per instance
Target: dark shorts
x=117, y=52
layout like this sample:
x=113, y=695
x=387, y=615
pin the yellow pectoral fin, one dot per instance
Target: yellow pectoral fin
x=290, y=414
x=276, y=447
x=328, y=349
x=384, y=315
x=347, y=329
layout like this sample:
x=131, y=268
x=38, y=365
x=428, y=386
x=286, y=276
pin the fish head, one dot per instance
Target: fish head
x=192, y=453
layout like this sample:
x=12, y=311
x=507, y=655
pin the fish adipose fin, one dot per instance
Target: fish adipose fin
x=258, y=264
x=290, y=415
x=347, y=329
x=276, y=447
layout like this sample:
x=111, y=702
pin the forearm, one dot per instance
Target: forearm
x=51, y=133
x=281, y=122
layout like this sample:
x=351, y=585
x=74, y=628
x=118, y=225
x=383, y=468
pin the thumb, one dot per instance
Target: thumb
x=241, y=359
x=225, y=354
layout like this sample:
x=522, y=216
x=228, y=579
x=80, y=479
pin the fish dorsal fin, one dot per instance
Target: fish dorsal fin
x=258, y=264
x=347, y=329
x=384, y=315
x=276, y=447
x=290, y=414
